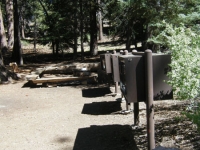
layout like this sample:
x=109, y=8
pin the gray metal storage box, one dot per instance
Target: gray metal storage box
x=132, y=76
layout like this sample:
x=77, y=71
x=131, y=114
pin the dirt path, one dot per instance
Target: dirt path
x=75, y=118
x=53, y=118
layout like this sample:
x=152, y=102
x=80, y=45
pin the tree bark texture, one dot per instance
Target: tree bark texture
x=53, y=46
x=81, y=29
x=17, y=50
x=1, y=60
x=23, y=28
x=100, y=22
x=57, y=46
x=128, y=43
x=35, y=35
x=10, y=29
x=93, y=29
x=75, y=30
x=146, y=34
x=128, y=37
x=3, y=42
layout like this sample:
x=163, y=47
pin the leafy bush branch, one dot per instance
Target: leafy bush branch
x=184, y=46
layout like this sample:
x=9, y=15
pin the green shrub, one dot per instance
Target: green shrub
x=194, y=116
x=184, y=46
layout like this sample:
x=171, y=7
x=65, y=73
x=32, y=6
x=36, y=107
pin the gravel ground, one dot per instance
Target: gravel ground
x=84, y=117
x=59, y=118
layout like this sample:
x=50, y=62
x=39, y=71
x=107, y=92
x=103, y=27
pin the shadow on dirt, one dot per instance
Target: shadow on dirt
x=171, y=107
x=180, y=132
x=62, y=141
x=96, y=92
x=73, y=84
x=101, y=108
x=176, y=133
x=51, y=85
x=108, y=137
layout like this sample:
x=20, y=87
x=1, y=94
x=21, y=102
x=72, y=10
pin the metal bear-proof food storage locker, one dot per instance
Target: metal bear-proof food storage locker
x=132, y=77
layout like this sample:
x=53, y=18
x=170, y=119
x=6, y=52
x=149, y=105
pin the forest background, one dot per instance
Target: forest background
x=160, y=25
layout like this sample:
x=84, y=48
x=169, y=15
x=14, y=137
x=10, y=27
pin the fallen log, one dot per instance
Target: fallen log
x=56, y=70
x=58, y=80
x=91, y=67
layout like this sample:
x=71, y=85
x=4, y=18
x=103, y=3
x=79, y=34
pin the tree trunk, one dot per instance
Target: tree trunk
x=2, y=33
x=128, y=37
x=75, y=30
x=35, y=35
x=17, y=50
x=22, y=28
x=144, y=42
x=3, y=42
x=10, y=29
x=53, y=47
x=100, y=22
x=57, y=46
x=81, y=29
x=1, y=60
x=93, y=29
